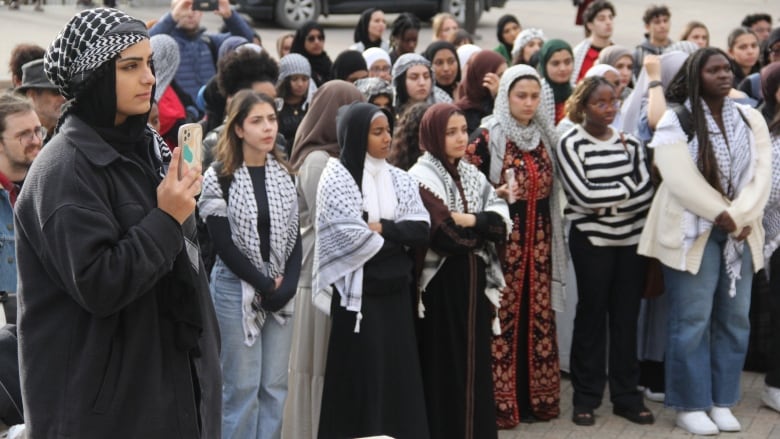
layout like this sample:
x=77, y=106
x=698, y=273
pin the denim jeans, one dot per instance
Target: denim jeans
x=708, y=331
x=254, y=377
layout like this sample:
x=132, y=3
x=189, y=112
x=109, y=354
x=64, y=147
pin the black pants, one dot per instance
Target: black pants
x=609, y=288
x=773, y=371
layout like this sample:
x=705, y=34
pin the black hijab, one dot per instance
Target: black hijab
x=361, y=30
x=347, y=63
x=353, y=124
x=430, y=53
x=502, y=22
x=320, y=64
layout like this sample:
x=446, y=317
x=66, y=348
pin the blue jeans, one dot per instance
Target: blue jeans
x=254, y=377
x=707, y=331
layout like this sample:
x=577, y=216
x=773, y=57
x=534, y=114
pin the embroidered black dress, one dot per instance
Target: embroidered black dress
x=380, y=363
x=455, y=335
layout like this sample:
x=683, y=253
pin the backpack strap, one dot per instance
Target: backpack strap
x=224, y=181
x=744, y=118
x=685, y=118
x=212, y=48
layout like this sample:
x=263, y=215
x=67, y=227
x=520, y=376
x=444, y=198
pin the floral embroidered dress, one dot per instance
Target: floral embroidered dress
x=526, y=371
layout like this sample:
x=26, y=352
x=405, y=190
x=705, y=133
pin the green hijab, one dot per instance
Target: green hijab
x=550, y=47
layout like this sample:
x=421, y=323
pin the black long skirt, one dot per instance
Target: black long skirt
x=455, y=338
x=373, y=385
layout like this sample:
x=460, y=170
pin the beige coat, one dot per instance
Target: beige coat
x=685, y=188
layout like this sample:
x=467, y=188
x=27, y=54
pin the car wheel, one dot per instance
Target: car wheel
x=458, y=9
x=291, y=14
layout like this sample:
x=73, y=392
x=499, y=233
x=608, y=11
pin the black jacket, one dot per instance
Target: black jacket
x=97, y=355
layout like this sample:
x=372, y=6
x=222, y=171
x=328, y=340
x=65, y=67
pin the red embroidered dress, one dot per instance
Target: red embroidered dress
x=526, y=372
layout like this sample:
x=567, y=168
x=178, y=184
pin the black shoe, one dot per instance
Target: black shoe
x=583, y=416
x=640, y=415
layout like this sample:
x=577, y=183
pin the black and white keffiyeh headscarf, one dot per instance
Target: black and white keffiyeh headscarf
x=90, y=39
x=241, y=212
x=404, y=63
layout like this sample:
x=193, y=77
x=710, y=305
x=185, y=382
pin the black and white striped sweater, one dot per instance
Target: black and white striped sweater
x=607, y=184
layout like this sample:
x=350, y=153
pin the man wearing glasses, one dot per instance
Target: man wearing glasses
x=21, y=138
x=46, y=98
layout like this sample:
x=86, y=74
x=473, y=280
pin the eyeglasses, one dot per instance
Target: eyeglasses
x=601, y=105
x=27, y=136
x=380, y=69
x=313, y=38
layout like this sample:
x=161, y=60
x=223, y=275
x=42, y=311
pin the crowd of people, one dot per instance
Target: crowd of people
x=384, y=242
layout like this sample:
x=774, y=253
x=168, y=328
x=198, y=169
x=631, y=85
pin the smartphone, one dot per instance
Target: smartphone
x=511, y=184
x=204, y=5
x=191, y=144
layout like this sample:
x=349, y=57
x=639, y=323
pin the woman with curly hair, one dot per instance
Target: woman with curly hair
x=405, y=148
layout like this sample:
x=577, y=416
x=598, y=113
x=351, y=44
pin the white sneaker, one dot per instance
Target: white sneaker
x=696, y=422
x=771, y=397
x=654, y=396
x=724, y=419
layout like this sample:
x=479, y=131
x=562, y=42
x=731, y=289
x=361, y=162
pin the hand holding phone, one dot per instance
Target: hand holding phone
x=191, y=144
x=511, y=185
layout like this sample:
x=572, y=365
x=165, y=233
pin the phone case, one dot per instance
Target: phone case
x=191, y=144
x=204, y=5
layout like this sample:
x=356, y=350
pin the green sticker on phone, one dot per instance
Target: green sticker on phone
x=187, y=154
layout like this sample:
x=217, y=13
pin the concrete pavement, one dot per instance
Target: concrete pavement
x=758, y=421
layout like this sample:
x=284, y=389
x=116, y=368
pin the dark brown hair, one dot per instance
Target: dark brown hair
x=654, y=11
x=405, y=148
x=21, y=55
x=11, y=103
x=229, y=146
x=593, y=10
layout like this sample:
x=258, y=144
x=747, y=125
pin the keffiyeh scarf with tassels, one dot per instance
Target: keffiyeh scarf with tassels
x=343, y=242
x=241, y=212
x=481, y=197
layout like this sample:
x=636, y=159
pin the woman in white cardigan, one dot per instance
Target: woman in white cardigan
x=705, y=228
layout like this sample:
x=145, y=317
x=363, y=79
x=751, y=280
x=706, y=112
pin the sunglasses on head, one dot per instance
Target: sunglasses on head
x=312, y=38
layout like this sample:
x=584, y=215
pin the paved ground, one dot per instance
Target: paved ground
x=758, y=421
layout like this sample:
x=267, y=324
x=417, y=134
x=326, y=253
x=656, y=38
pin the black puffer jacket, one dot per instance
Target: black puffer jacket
x=98, y=353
